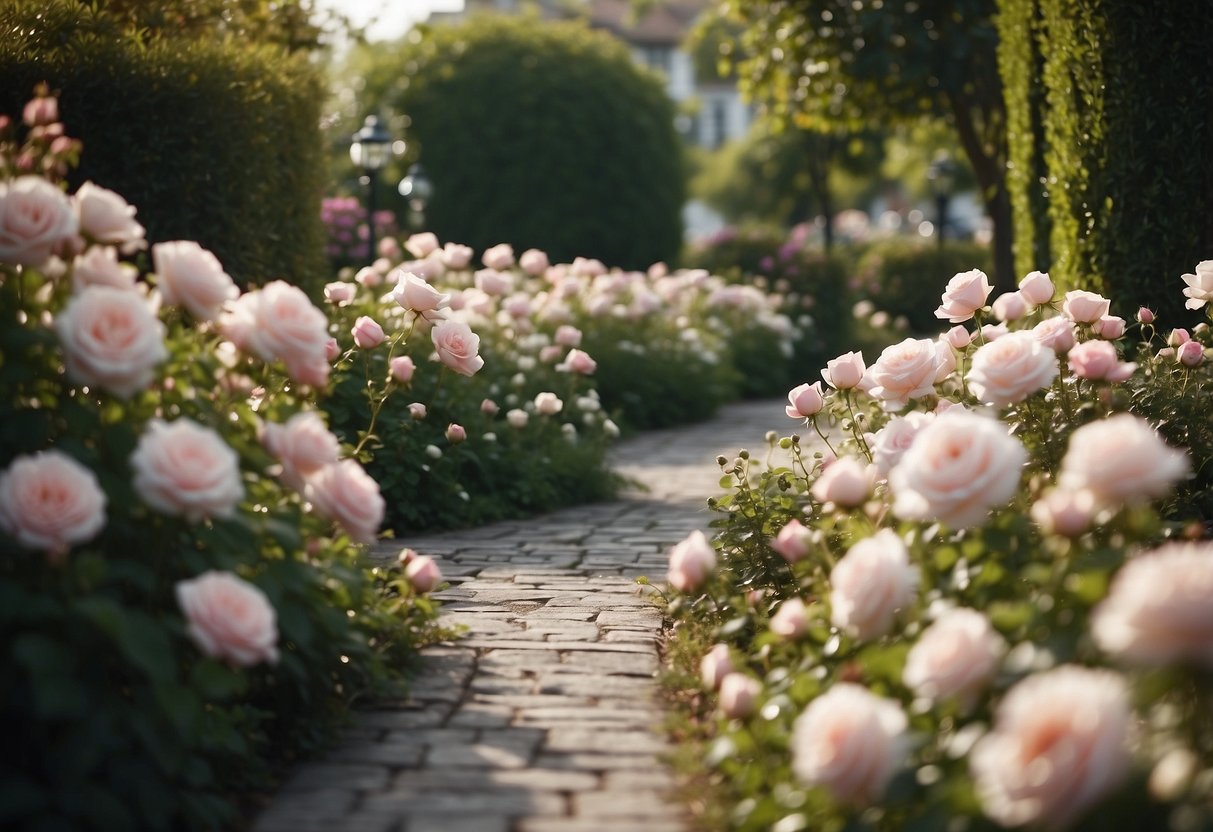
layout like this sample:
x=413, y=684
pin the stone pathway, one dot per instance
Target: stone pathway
x=545, y=718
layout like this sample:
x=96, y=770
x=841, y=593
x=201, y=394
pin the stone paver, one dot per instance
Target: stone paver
x=544, y=718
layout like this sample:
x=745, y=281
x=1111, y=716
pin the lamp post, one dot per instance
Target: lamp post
x=417, y=189
x=942, y=175
x=370, y=149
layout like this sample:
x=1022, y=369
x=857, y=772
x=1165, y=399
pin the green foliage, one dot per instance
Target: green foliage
x=1123, y=133
x=903, y=277
x=538, y=134
x=216, y=142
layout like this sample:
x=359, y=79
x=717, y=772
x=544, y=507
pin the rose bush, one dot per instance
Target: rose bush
x=1009, y=626
x=182, y=609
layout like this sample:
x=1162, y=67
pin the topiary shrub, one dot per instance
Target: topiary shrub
x=903, y=277
x=542, y=135
x=216, y=142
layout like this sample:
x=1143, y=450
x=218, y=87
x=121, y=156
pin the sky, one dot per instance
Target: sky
x=388, y=19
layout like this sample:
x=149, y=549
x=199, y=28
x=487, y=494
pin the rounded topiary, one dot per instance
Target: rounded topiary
x=542, y=135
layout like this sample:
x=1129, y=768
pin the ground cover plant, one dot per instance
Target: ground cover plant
x=184, y=606
x=984, y=602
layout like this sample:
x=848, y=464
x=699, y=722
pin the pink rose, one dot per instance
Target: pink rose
x=185, y=469
x=1159, y=609
x=340, y=293
x=844, y=372
x=500, y=256
x=402, y=368
x=1059, y=745
x=1010, y=306
x=738, y=695
x=714, y=666
x=904, y=371
x=956, y=656
x=945, y=358
x=106, y=218
x=389, y=247
x=1109, y=327
x=422, y=245
x=958, y=337
x=1145, y=316
x=229, y=618
x=367, y=333
x=303, y=444
x=517, y=418
x=517, y=305
x=794, y=541
x=1036, y=288
x=368, y=276
x=188, y=275
x=493, y=282
x=455, y=433
x=1011, y=369
x=41, y=111
x=1056, y=333
x=413, y=293
x=965, y=294
x=845, y=482
x=791, y=620
x=278, y=322
x=870, y=584
x=1121, y=459
x=577, y=362
x=550, y=353
x=417, y=411
x=344, y=492
x=1065, y=513
x=548, y=404
x=851, y=742
x=1199, y=290
x=99, y=266
x=457, y=347
x=534, y=262
x=423, y=573
x=489, y=407
x=1178, y=337
x=1098, y=361
x=960, y=467
x=568, y=336
x=690, y=562
x=331, y=349
x=891, y=442
x=1084, y=307
x=456, y=256
x=805, y=401
x=1190, y=354
x=50, y=502
x=36, y=221
x=111, y=339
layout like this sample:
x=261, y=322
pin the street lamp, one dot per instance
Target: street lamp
x=417, y=189
x=370, y=148
x=942, y=175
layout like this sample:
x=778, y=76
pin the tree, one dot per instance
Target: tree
x=849, y=64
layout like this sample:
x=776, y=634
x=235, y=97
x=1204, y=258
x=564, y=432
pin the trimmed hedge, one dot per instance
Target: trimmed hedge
x=215, y=142
x=540, y=134
x=1128, y=140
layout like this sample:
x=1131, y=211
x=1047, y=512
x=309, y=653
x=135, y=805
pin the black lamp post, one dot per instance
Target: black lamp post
x=370, y=148
x=942, y=175
x=417, y=189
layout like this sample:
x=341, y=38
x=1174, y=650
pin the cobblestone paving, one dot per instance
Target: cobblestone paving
x=544, y=719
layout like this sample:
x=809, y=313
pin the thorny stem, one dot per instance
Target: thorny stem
x=855, y=431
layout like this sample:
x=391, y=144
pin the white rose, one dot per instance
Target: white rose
x=190, y=276
x=870, y=584
x=903, y=371
x=1011, y=369
x=955, y=657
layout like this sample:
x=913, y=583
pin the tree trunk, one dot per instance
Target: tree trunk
x=999, y=209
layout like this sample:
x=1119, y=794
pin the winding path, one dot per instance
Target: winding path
x=545, y=718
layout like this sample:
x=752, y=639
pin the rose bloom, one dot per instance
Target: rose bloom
x=892, y=441
x=1011, y=369
x=1010, y=306
x=791, y=620
x=489, y=407
x=493, y=282
x=1199, y=289
x=417, y=411
x=455, y=433
x=1056, y=333
x=415, y=294
x=340, y=292
x=1084, y=307
x=183, y=468
x=111, y=339
x=1058, y=747
x=1098, y=361
x=457, y=347
x=229, y=618
x=367, y=333
x=690, y=562
x=303, y=444
x=106, y=218
x=423, y=573
x=456, y=256
x=188, y=275
x=714, y=666
x=1190, y=354
x=870, y=584
x=1178, y=337
x=1159, y=609
x=368, y=276
x=50, y=502
x=904, y=371
x=402, y=368
x=850, y=742
x=577, y=362
x=1145, y=315
x=793, y=542
x=804, y=401
x=956, y=656
x=331, y=349
x=548, y=404
x=958, y=337
x=960, y=467
x=845, y=482
x=1109, y=327
x=99, y=266
x=568, y=336
x=1065, y=513
x=738, y=695
x=279, y=322
x=1036, y=288
x=1121, y=459
x=965, y=294
x=534, y=262
x=344, y=492
x=500, y=256
x=422, y=245
x=41, y=111
x=36, y=221
x=844, y=372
